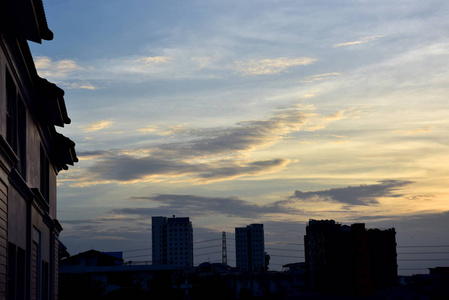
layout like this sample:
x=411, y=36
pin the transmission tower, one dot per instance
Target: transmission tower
x=224, y=252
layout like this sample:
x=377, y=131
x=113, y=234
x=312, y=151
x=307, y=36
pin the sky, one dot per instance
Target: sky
x=240, y=112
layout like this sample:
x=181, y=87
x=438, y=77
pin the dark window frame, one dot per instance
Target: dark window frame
x=44, y=175
x=16, y=131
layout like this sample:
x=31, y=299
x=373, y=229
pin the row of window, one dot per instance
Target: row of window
x=176, y=247
x=16, y=273
x=178, y=229
x=179, y=254
x=16, y=135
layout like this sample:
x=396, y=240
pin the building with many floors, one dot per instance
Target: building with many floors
x=349, y=260
x=250, y=248
x=172, y=241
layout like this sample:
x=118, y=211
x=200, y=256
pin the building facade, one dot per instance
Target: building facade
x=250, y=248
x=32, y=154
x=172, y=241
x=349, y=260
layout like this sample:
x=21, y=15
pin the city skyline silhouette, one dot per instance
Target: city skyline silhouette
x=234, y=113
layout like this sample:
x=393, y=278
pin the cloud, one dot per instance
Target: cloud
x=361, y=41
x=78, y=86
x=174, y=129
x=154, y=59
x=271, y=66
x=195, y=206
x=95, y=126
x=46, y=67
x=319, y=77
x=203, y=61
x=202, y=155
x=140, y=65
x=122, y=168
x=248, y=136
x=148, y=128
x=415, y=131
x=63, y=72
x=354, y=195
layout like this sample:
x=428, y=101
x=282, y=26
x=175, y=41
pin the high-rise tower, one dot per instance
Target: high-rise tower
x=172, y=241
x=349, y=260
x=250, y=248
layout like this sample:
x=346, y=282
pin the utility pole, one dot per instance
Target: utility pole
x=224, y=252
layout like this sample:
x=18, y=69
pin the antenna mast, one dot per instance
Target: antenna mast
x=224, y=253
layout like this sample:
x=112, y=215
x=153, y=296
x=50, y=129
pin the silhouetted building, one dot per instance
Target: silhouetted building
x=93, y=258
x=349, y=260
x=172, y=241
x=94, y=275
x=32, y=153
x=250, y=248
x=434, y=285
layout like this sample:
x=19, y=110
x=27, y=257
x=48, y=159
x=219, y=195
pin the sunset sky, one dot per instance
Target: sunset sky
x=239, y=112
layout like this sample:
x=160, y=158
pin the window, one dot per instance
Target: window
x=22, y=137
x=44, y=176
x=45, y=280
x=11, y=120
x=12, y=271
x=16, y=123
x=16, y=272
x=36, y=266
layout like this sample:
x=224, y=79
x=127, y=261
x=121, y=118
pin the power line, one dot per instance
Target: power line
x=424, y=253
x=137, y=256
x=293, y=250
x=284, y=243
x=216, y=252
x=219, y=239
x=420, y=246
x=428, y=259
x=207, y=247
x=287, y=243
x=134, y=250
x=289, y=256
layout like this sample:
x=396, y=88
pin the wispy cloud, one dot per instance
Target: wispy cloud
x=319, y=77
x=355, y=195
x=270, y=66
x=127, y=169
x=360, y=41
x=415, y=131
x=148, y=128
x=95, y=126
x=195, y=206
x=46, y=67
x=64, y=72
x=154, y=59
x=137, y=65
x=203, y=61
x=78, y=86
x=204, y=155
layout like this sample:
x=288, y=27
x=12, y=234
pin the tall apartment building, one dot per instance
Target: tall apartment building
x=32, y=153
x=250, y=248
x=172, y=241
x=349, y=260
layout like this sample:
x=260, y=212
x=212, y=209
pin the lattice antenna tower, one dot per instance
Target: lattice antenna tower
x=224, y=252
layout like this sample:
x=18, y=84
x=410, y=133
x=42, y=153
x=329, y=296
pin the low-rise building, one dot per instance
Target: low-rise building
x=32, y=153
